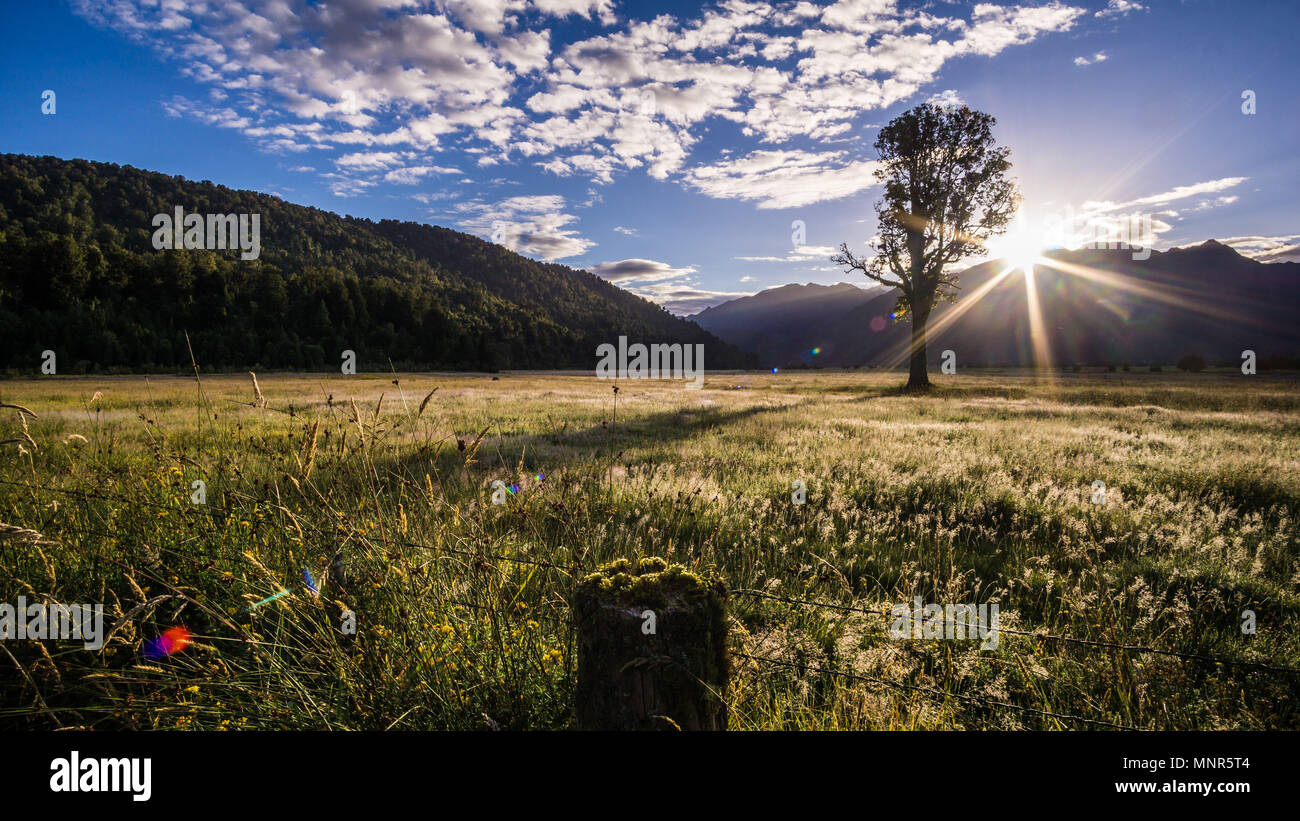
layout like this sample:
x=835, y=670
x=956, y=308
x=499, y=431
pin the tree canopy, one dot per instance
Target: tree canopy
x=946, y=194
x=79, y=275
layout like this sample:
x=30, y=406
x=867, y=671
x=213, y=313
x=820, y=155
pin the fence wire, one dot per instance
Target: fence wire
x=205, y=512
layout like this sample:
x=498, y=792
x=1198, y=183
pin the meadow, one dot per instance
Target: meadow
x=380, y=487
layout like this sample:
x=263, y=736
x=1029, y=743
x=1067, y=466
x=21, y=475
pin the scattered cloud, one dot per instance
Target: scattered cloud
x=1096, y=219
x=675, y=288
x=800, y=253
x=1099, y=57
x=1166, y=197
x=367, y=161
x=1120, y=8
x=946, y=98
x=535, y=225
x=641, y=270
x=631, y=232
x=784, y=179
x=685, y=299
x=1285, y=248
x=391, y=84
x=413, y=174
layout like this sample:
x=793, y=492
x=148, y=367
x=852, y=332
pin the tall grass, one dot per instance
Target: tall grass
x=977, y=493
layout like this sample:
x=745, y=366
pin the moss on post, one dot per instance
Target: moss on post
x=652, y=648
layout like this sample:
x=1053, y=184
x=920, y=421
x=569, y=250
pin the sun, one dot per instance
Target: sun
x=1020, y=247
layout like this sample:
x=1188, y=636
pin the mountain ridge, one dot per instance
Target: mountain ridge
x=1099, y=307
x=79, y=275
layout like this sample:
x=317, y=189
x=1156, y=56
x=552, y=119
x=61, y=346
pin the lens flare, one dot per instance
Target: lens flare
x=267, y=600
x=172, y=641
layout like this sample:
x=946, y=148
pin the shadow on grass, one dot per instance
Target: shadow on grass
x=565, y=447
x=946, y=392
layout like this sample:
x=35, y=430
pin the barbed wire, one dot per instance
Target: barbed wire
x=738, y=591
x=1110, y=645
x=204, y=512
x=327, y=530
x=937, y=692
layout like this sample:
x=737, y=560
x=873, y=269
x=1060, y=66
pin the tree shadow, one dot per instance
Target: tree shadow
x=565, y=447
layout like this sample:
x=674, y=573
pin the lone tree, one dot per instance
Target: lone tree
x=946, y=195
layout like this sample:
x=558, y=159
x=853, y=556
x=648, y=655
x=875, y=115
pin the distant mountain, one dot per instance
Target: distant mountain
x=79, y=275
x=778, y=323
x=1098, y=307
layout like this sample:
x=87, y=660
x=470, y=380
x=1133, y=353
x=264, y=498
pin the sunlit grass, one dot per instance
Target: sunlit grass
x=979, y=492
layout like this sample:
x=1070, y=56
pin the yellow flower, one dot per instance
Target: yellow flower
x=191, y=689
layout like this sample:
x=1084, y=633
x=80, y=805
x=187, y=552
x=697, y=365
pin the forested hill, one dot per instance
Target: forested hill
x=79, y=275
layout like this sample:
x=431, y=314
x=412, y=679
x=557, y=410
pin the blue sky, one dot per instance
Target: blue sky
x=671, y=147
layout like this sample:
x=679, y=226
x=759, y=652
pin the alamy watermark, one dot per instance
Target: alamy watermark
x=637, y=361
x=53, y=621
x=1067, y=229
x=946, y=621
x=193, y=232
x=77, y=774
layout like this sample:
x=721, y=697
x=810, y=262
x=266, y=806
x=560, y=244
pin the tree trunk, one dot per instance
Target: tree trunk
x=652, y=649
x=918, y=378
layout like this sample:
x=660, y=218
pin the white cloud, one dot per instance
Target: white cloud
x=365, y=161
x=947, y=97
x=640, y=270
x=414, y=173
x=1166, y=197
x=784, y=179
x=1120, y=8
x=1087, y=61
x=671, y=286
x=631, y=232
x=1096, y=220
x=684, y=299
x=220, y=117
x=536, y=225
x=800, y=253
x=1285, y=248
x=420, y=76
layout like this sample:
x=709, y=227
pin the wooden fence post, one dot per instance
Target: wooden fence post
x=652, y=648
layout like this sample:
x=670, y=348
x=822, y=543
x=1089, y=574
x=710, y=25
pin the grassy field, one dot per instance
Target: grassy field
x=979, y=492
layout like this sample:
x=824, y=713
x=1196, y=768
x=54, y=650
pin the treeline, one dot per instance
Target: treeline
x=79, y=275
